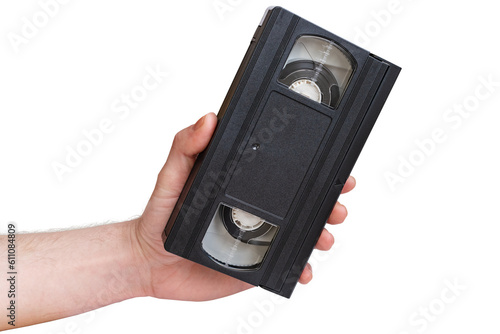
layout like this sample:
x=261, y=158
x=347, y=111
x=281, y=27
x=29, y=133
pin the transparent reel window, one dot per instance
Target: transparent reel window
x=237, y=239
x=318, y=69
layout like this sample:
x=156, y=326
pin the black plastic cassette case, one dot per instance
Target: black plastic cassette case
x=289, y=131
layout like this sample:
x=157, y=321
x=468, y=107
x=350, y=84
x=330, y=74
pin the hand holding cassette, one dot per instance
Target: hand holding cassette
x=172, y=277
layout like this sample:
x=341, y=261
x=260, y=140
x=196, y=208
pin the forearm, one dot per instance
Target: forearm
x=61, y=274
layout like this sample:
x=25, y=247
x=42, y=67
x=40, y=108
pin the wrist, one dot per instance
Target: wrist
x=131, y=277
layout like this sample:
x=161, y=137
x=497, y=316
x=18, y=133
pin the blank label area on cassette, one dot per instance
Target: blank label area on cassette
x=287, y=134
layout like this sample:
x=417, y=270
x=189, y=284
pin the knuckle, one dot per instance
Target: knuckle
x=177, y=138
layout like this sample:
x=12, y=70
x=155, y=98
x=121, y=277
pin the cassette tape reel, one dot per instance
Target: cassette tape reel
x=238, y=239
x=318, y=69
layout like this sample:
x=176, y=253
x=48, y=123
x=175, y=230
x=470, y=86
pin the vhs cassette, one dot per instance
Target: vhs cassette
x=290, y=129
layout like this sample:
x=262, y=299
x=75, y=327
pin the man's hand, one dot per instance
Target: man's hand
x=170, y=276
x=74, y=271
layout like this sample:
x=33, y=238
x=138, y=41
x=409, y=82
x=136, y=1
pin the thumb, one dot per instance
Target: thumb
x=186, y=146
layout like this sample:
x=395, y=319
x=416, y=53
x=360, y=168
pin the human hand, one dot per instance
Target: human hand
x=170, y=276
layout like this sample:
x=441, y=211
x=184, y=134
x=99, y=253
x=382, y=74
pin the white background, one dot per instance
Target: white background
x=399, y=246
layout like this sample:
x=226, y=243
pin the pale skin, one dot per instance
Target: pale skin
x=65, y=273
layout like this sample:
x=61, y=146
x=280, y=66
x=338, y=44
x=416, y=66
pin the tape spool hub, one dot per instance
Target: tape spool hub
x=307, y=88
x=246, y=221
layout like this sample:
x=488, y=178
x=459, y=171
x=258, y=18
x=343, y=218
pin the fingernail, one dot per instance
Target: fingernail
x=331, y=236
x=200, y=122
x=345, y=209
x=309, y=267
